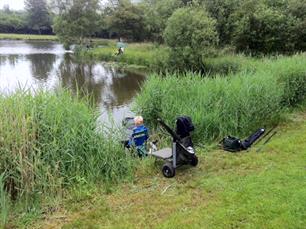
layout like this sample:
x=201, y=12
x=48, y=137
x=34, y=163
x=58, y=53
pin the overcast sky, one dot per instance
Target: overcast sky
x=14, y=4
x=19, y=4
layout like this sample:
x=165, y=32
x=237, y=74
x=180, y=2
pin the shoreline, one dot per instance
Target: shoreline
x=14, y=36
x=138, y=69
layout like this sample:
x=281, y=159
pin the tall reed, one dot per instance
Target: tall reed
x=4, y=202
x=50, y=141
x=237, y=104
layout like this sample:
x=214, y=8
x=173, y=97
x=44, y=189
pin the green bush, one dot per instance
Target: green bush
x=260, y=26
x=127, y=20
x=222, y=11
x=190, y=34
x=76, y=22
x=297, y=9
x=263, y=27
x=156, y=14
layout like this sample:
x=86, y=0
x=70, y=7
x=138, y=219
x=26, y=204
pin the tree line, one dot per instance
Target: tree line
x=35, y=19
x=255, y=26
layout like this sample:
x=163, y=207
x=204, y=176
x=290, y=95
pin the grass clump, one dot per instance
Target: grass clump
x=236, y=105
x=50, y=141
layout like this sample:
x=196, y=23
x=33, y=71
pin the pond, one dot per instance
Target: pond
x=42, y=64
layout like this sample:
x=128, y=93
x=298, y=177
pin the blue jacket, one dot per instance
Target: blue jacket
x=139, y=136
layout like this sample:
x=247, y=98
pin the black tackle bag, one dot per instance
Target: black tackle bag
x=234, y=144
x=231, y=144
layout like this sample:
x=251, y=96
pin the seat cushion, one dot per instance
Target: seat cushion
x=163, y=153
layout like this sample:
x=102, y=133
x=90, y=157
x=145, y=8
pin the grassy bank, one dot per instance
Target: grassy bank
x=49, y=143
x=51, y=151
x=12, y=36
x=243, y=190
x=145, y=54
x=157, y=58
x=237, y=104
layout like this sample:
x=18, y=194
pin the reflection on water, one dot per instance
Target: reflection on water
x=41, y=65
x=117, y=87
x=38, y=64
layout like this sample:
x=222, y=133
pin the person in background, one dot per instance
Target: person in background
x=120, y=51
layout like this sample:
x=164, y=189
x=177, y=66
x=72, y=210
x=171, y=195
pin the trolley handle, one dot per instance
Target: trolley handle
x=169, y=130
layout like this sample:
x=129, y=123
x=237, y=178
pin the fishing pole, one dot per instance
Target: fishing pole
x=267, y=140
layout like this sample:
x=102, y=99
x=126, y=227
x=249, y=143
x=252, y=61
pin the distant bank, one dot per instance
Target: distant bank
x=13, y=36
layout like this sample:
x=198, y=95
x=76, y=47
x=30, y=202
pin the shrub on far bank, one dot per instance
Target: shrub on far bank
x=191, y=35
x=268, y=27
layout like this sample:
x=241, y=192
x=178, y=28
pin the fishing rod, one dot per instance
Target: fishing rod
x=267, y=140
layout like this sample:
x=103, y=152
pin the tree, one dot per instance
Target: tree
x=192, y=35
x=297, y=10
x=38, y=14
x=263, y=27
x=76, y=20
x=222, y=11
x=13, y=22
x=260, y=26
x=156, y=14
x=127, y=20
x=6, y=9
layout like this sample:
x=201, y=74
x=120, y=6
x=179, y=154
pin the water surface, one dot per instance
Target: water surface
x=44, y=64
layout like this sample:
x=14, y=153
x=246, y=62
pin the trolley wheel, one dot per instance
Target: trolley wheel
x=168, y=170
x=194, y=161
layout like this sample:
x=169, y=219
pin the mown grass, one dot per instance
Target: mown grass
x=49, y=143
x=13, y=36
x=226, y=190
x=237, y=104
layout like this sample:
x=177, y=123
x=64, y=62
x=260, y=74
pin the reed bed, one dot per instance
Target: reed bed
x=237, y=104
x=230, y=63
x=49, y=141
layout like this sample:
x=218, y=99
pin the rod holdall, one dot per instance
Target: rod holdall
x=234, y=144
x=248, y=142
